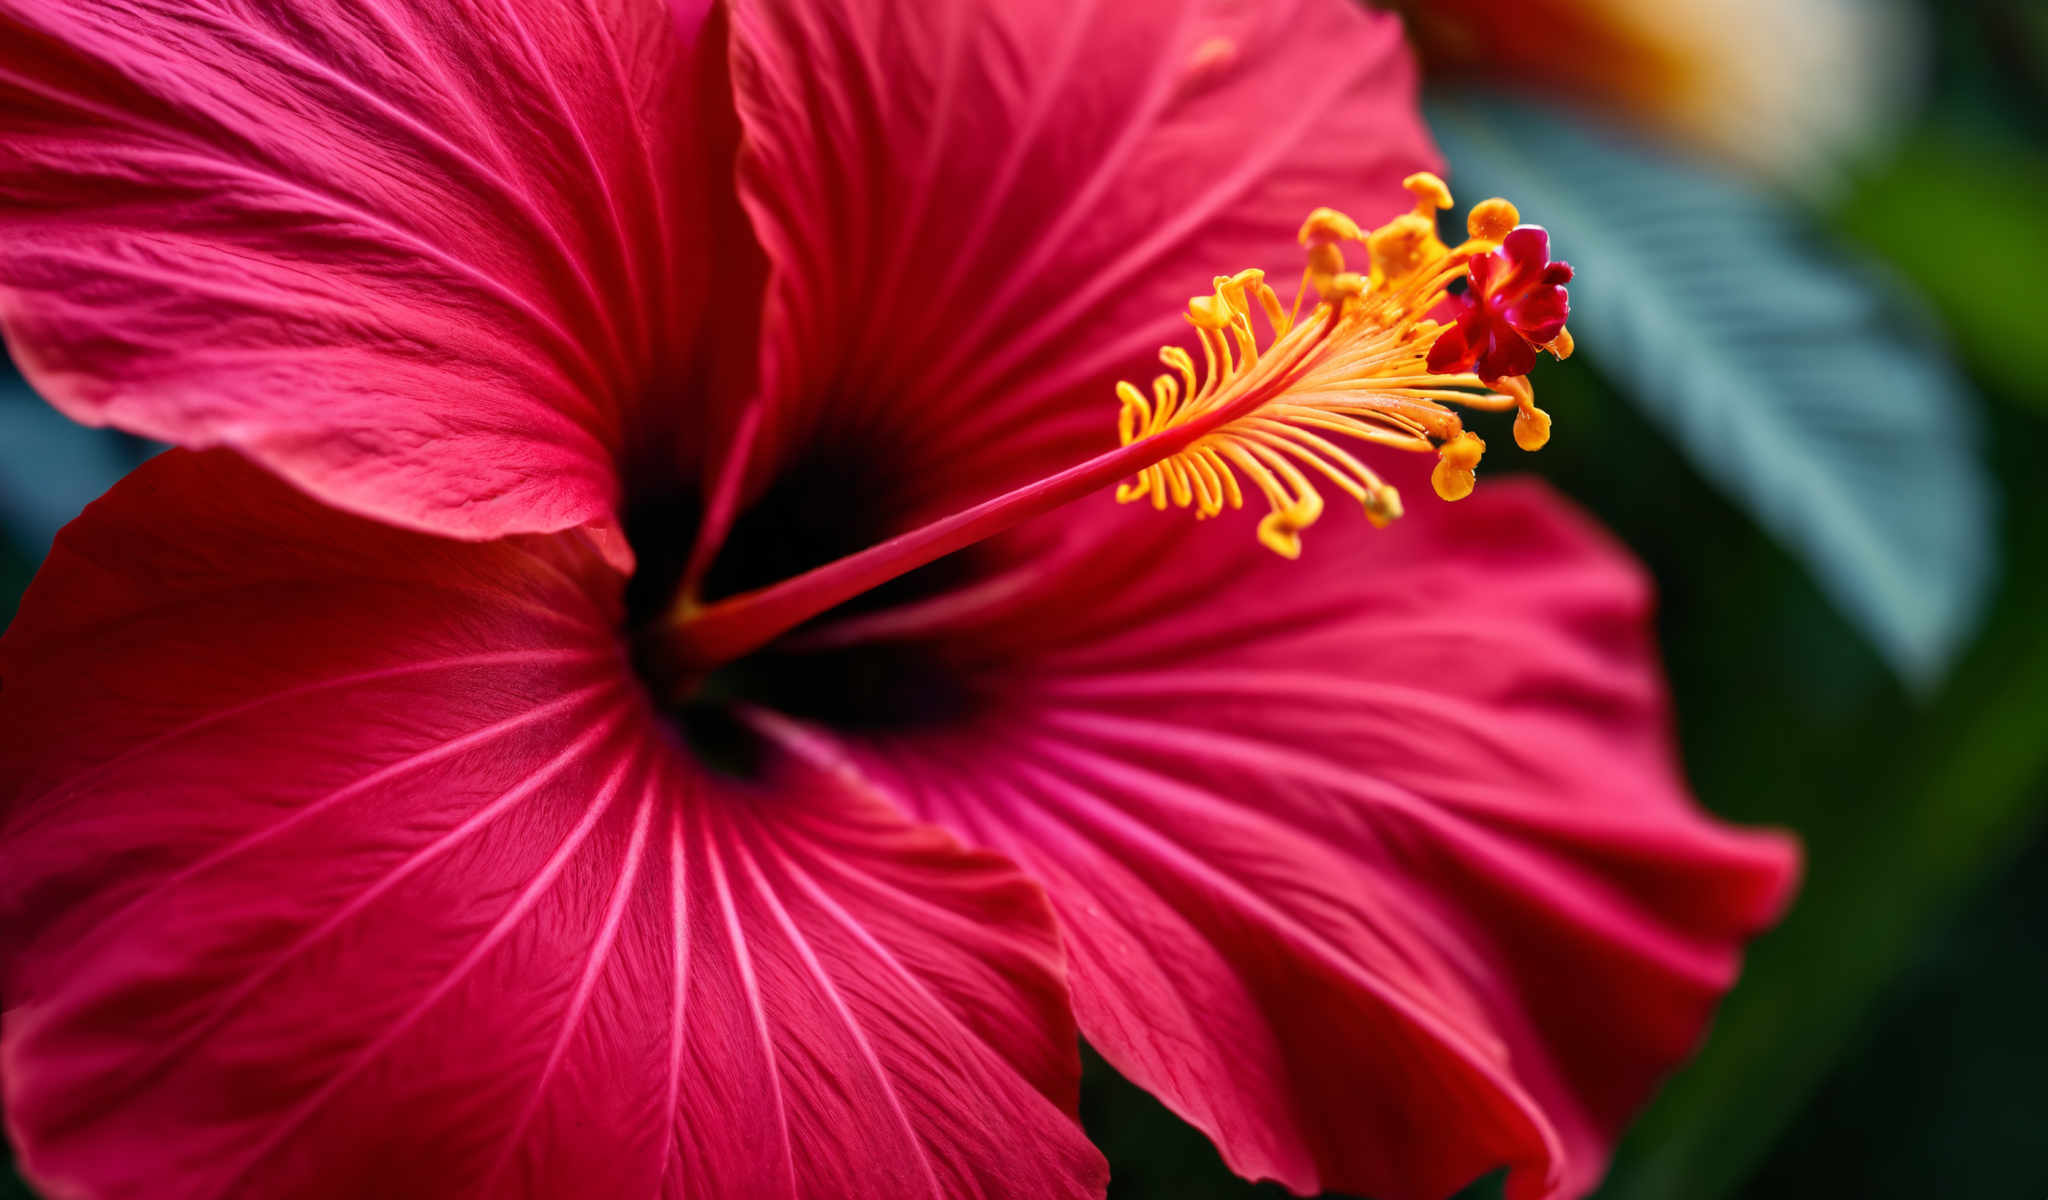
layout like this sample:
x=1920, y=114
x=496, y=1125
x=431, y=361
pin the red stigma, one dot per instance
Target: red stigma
x=1516, y=303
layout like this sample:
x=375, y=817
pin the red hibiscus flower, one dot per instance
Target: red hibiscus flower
x=633, y=708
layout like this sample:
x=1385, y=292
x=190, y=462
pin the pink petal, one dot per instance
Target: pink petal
x=424, y=259
x=1376, y=866
x=979, y=215
x=343, y=861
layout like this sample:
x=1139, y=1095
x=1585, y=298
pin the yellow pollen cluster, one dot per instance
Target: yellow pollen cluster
x=1355, y=367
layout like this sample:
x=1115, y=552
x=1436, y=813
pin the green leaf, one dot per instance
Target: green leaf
x=1960, y=215
x=1794, y=377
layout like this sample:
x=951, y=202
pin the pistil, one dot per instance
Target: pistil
x=1369, y=363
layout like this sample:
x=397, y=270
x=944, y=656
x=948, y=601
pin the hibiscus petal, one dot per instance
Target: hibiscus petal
x=422, y=259
x=979, y=215
x=345, y=861
x=1375, y=866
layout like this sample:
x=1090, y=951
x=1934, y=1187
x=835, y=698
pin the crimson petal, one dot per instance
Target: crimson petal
x=1375, y=866
x=420, y=258
x=345, y=861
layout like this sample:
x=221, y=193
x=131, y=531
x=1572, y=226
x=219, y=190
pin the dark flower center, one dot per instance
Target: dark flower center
x=825, y=504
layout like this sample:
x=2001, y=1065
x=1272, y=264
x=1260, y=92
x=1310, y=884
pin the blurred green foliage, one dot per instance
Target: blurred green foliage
x=1960, y=214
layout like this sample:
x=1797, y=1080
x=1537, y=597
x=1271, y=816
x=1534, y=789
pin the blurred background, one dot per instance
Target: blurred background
x=1812, y=388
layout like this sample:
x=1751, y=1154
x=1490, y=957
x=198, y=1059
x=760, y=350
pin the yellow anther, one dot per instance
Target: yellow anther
x=1491, y=220
x=1231, y=288
x=1275, y=410
x=1325, y=262
x=1321, y=233
x=1429, y=192
x=1532, y=428
x=1250, y=285
x=1532, y=424
x=1279, y=537
x=1280, y=532
x=1326, y=225
x=1456, y=471
x=1210, y=312
x=1402, y=248
x=1347, y=286
x=1560, y=347
x=1383, y=506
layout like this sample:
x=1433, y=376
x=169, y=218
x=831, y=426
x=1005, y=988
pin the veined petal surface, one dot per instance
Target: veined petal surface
x=1376, y=866
x=346, y=861
x=423, y=259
